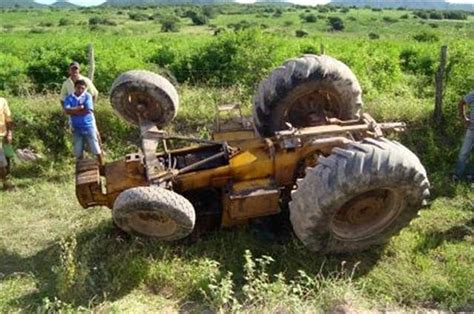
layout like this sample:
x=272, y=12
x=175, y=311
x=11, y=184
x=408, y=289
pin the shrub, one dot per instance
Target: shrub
x=64, y=22
x=200, y=19
x=232, y=58
x=389, y=19
x=288, y=23
x=94, y=21
x=374, y=36
x=310, y=18
x=404, y=16
x=301, y=33
x=38, y=30
x=435, y=15
x=426, y=37
x=412, y=62
x=46, y=24
x=209, y=11
x=169, y=24
x=336, y=23
x=421, y=14
x=138, y=16
x=278, y=13
x=455, y=15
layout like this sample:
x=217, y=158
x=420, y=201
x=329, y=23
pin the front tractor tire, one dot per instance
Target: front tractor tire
x=154, y=212
x=358, y=196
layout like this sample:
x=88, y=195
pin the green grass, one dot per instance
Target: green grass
x=56, y=255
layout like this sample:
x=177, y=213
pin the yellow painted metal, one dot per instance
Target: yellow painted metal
x=249, y=199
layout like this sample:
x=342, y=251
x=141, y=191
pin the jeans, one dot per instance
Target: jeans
x=79, y=139
x=465, y=152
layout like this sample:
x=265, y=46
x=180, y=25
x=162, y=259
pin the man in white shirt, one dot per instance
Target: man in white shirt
x=74, y=75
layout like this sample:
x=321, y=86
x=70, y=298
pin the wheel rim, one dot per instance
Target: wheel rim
x=137, y=103
x=313, y=109
x=366, y=215
x=151, y=224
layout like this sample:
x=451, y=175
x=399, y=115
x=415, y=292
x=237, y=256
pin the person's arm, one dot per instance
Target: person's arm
x=9, y=124
x=462, y=111
x=74, y=111
x=63, y=94
x=92, y=90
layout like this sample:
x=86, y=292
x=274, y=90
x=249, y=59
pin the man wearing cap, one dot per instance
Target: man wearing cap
x=74, y=75
x=6, y=136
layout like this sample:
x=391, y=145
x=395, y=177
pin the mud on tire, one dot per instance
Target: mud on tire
x=303, y=91
x=358, y=196
x=154, y=212
x=158, y=97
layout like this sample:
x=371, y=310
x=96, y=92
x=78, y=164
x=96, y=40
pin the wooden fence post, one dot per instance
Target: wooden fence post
x=91, y=64
x=439, y=78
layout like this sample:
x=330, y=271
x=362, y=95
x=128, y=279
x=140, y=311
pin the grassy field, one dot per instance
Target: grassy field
x=56, y=256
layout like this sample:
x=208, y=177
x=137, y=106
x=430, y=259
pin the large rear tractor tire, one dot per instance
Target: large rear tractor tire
x=145, y=95
x=154, y=212
x=304, y=92
x=358, y=196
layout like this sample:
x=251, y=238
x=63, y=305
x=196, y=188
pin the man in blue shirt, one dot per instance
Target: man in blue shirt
x=468, y=120
x=80, y=107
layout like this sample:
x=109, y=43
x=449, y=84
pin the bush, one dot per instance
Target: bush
x=435, y=15
x=336, y=23
x=374, y=36
x=310, y=18
x=455, y=15
x=64, y=22
x=169, y=24
x=138, y=16
x=209, y=11
x=404, y=16
x=301, y=33
x=412, y=62
x=46, y=24
x=232, y=58
x=421, y=14
x=426, y=37
x=389, y=19
x=96, y=20
x=200, y=19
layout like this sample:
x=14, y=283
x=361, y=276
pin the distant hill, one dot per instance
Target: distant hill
x=158, y=2
x=20, y=3
x=63, y=4
x=418, y=4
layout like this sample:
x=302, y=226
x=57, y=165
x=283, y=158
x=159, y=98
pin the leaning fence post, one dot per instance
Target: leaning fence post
x=439, y=78
x=91, y=64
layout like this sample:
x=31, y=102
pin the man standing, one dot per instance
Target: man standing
x=79, y=106
x=6, y=136
x=468, y=120
x=74, y=75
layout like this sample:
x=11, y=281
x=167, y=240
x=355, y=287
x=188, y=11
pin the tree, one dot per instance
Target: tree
x=336, y=23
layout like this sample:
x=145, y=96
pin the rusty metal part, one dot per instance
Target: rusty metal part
x=314, y=109
x=88, y=183
x=366, y=215
x=149, y=133
x=249, y=199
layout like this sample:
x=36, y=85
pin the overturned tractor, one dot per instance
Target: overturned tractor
x=309, y=150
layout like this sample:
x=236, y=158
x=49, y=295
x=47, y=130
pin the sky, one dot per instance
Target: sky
x=97, y=2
